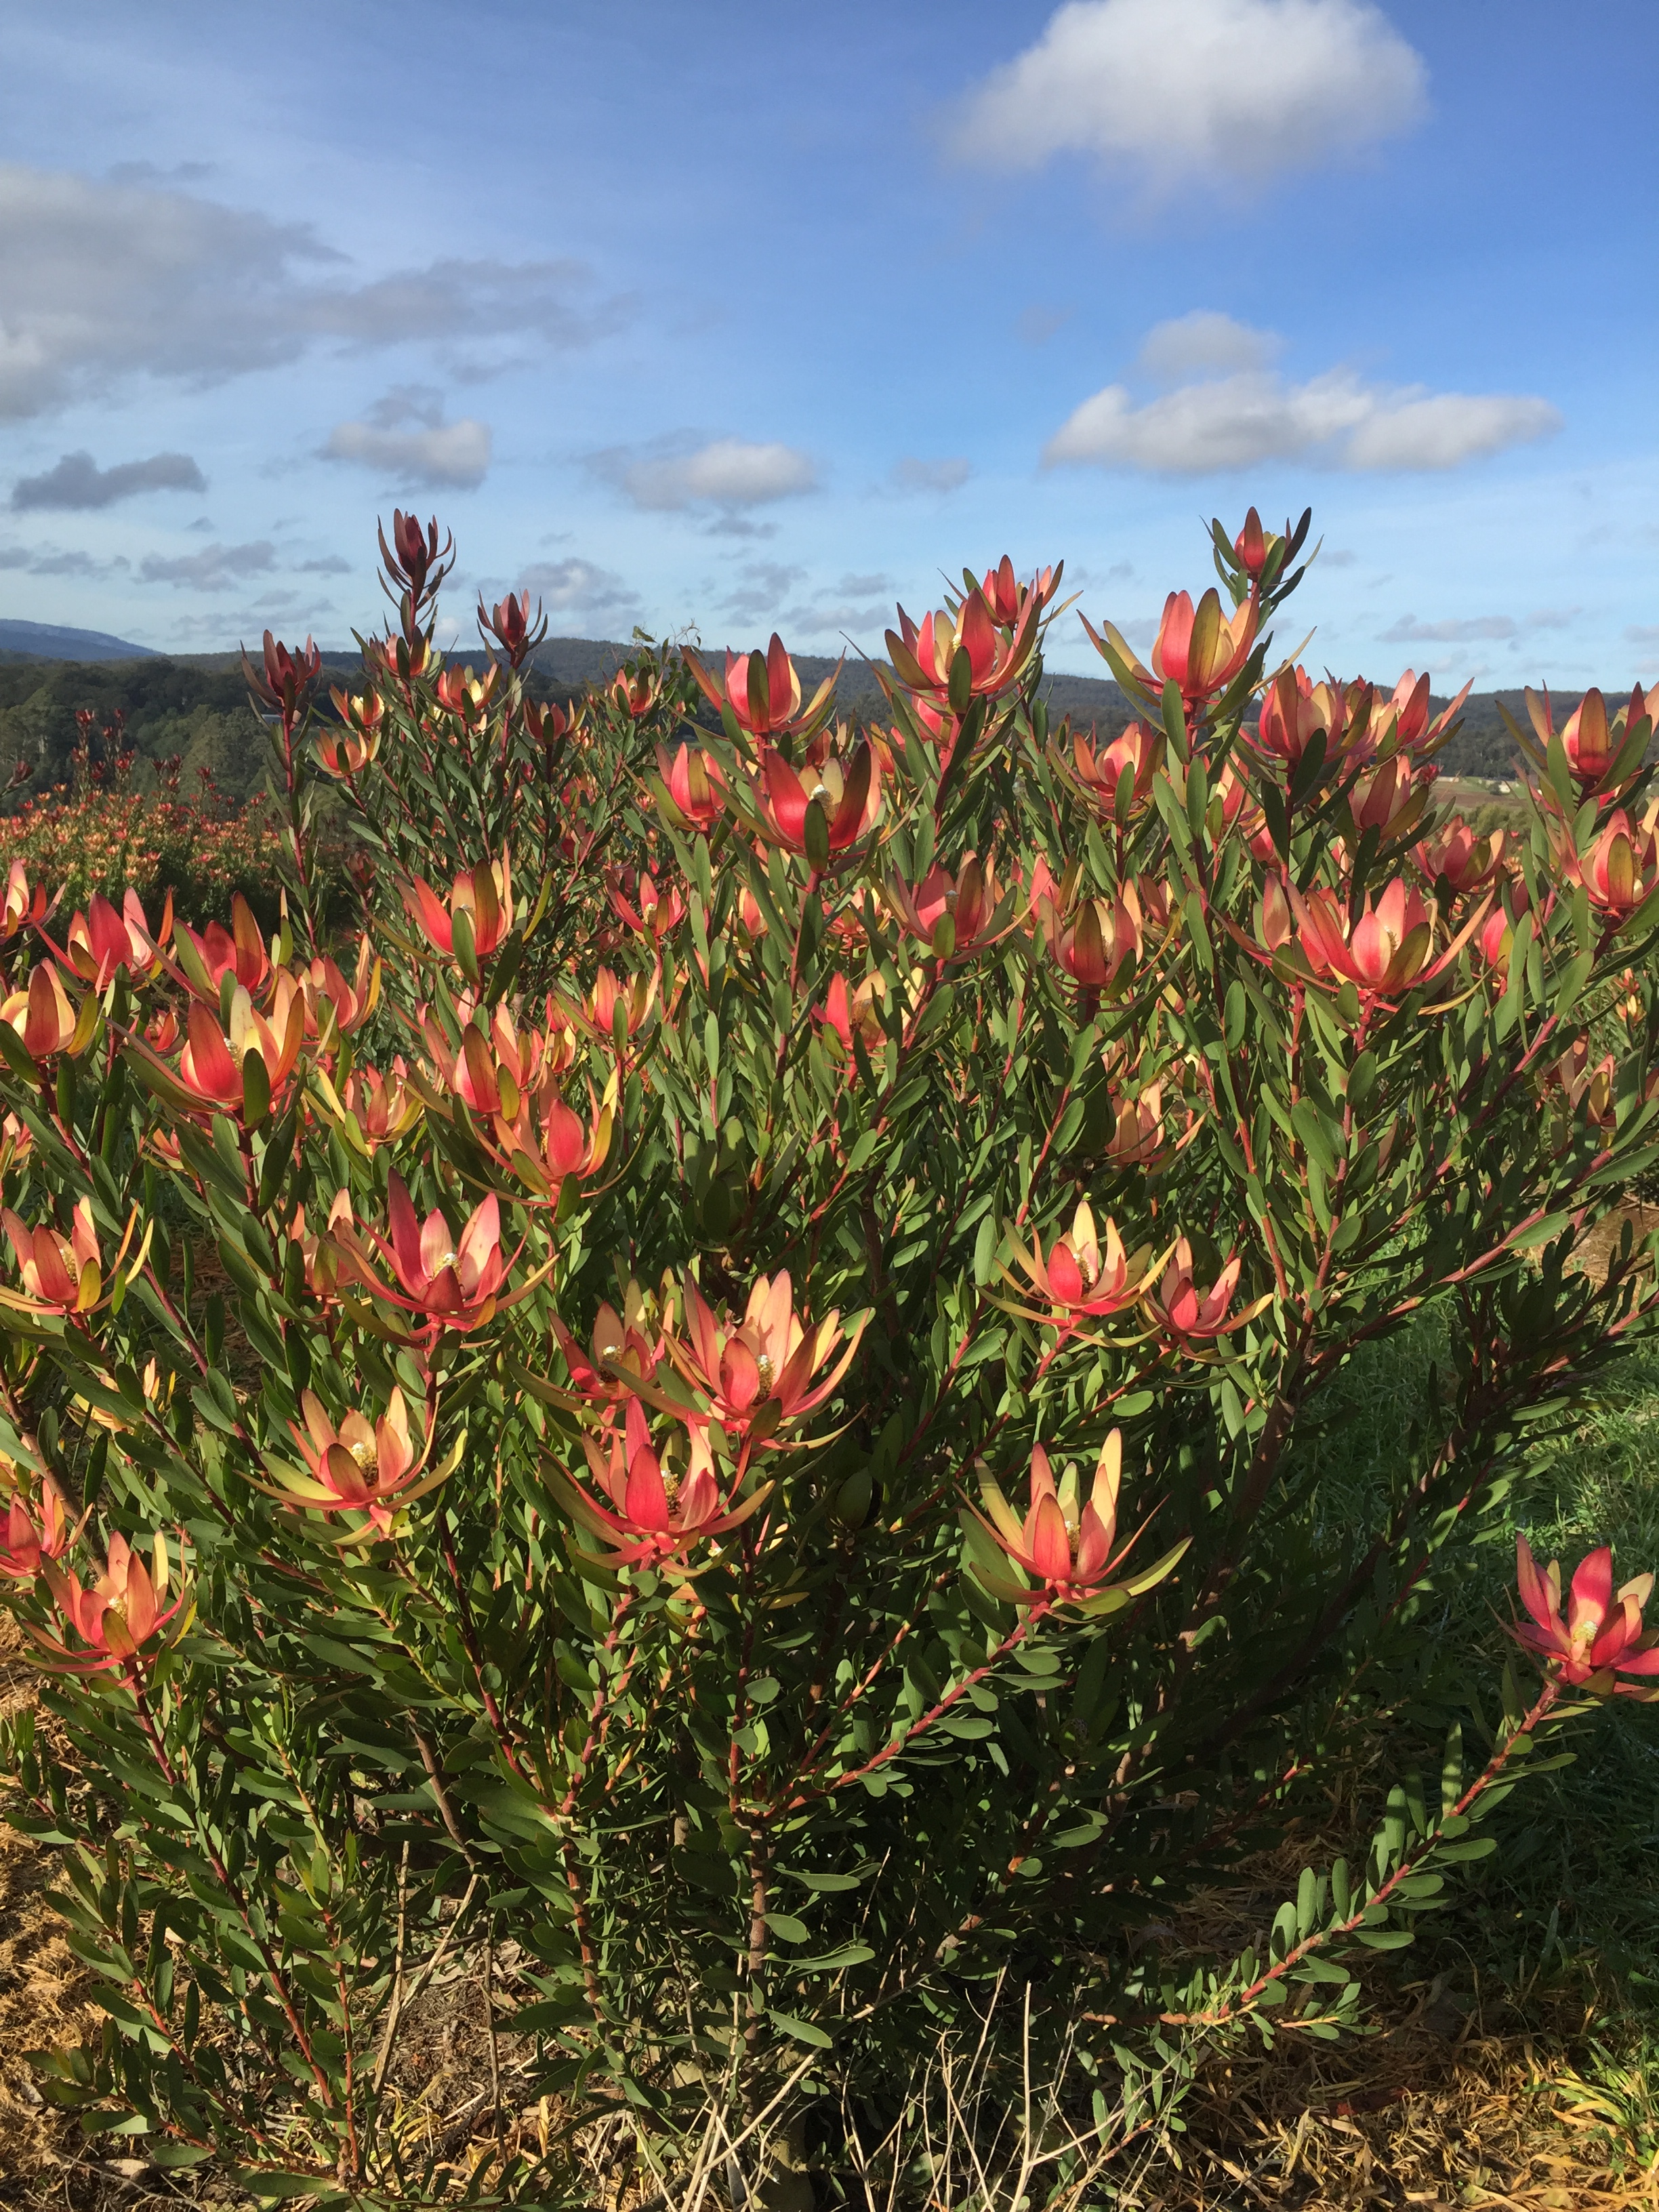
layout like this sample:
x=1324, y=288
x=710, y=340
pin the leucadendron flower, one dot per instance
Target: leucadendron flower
x=359, y=1466
x=106, y=1627
x=1066, y=1545
x=1602, y=1636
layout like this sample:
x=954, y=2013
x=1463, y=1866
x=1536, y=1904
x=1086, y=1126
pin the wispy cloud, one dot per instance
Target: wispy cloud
x=60, y=561
x=77, y=481
x=104, y=279
x=1248, y=413
x=214, y=568
x=1212, y=90
x=912, y=475
x=1409, y=631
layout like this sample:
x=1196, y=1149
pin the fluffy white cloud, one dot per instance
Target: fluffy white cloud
x=78, y=482
x=727, y=472
x=214, y=568
x=101, y=278
x=1212, y=89
x=582, y=593
x=1250, y=413
x=910, y=474
x=406, y=436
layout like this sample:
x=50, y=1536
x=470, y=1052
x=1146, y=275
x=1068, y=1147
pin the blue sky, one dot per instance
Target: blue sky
x=743, y=314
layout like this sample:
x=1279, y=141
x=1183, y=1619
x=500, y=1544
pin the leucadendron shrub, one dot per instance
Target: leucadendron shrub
x=708, y=1424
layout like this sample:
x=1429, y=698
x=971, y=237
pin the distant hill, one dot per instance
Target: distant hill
x=196, y=704
x=48, y=641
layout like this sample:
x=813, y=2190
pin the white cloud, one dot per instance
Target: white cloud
x=78, y=482
x=405, y=436
x=1553, y=617
x=578, y=591
x=910, y=474
x=100, y=279
x=728, y=472
x=1409, y=631
x=214, y=568
x=1642, y=633
x=1437, y=430
x=1205, y=344
x=1250, y=413
x=1037, y=325
x=1221, y=90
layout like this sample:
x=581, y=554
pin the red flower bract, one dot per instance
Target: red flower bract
x=1065, y=1543
x=480, y=905
x=1199, y=648
x=652, y=1513
x=1602, y=1636
x=849, y=797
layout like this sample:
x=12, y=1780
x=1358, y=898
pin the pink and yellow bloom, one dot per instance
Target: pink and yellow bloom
x=652, y=1512
x=847, y=793
x=761, y=692
x=1082, y=1278
x=26, y=1542
x=1189, y=1314
x=108, y=1625
x=694, y=783
x=760, y=1374
x=479, y=912
x=360, y=1467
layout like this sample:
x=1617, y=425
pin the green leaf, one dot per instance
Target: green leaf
x=800, y=2031
x=271, y=2185
x=815, y=832
x=786, y=1925
x=1384, y=1939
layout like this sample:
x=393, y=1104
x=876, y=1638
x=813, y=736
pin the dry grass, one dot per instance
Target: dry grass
x=43, y=1990
x=1460, y=2098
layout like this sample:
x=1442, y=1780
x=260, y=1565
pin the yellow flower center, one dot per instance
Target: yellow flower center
x=764, y=1369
